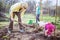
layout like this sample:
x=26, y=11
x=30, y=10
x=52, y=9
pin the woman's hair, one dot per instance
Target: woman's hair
x=25, y=5
x=53, y=23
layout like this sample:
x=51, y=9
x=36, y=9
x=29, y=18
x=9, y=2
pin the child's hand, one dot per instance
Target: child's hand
x=46, y=32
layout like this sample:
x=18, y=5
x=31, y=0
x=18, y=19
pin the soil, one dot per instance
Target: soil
x=27, y=35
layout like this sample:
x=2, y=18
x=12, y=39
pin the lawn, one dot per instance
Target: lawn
x=27, y=17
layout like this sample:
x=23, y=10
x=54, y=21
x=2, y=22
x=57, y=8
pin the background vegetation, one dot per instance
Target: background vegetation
x=49, y=11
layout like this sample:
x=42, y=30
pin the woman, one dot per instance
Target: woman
x=17, y=9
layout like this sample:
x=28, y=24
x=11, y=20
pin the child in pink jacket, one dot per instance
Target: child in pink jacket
x=49, y=28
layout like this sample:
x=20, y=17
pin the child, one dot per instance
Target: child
x=49, y=29
x=37, y=12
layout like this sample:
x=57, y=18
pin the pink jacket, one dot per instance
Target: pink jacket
x=50, y=27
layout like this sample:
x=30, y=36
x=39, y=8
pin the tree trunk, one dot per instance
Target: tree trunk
x=56, y=11
x=41, y=14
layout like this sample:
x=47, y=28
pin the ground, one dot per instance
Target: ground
x=16, y=35
x=25, y=35
x=29, y=35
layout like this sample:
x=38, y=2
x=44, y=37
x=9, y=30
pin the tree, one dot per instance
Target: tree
x=56, y=11
x=48, y=5
x=2, y=10
x=41, y=10
x=31, y=6
x=0, y=6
